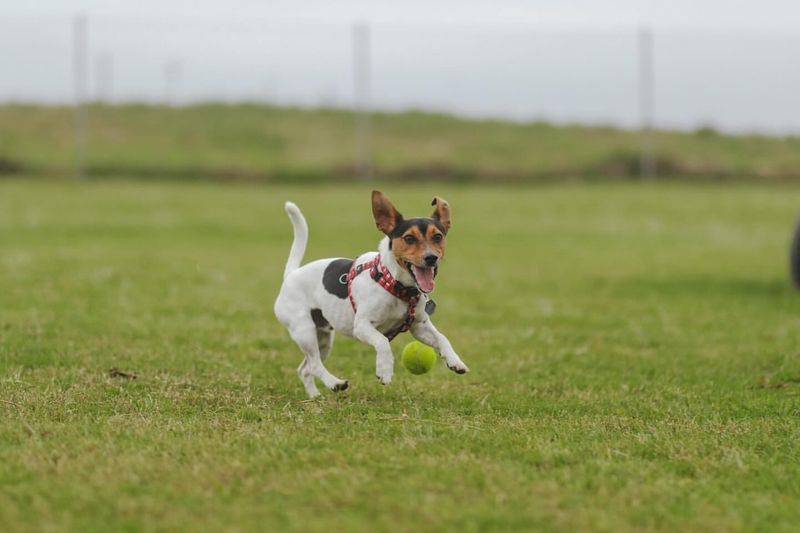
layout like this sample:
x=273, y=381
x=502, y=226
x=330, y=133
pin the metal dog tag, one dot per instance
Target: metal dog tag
x=430, y=306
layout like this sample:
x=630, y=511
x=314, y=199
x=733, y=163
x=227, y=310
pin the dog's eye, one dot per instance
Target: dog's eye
x=437, y=237
x=410, y=239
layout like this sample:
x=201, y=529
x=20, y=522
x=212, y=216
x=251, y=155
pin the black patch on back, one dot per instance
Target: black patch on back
x=319, y=320
x=334, y=274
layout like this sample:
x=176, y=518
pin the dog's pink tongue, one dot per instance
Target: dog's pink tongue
x=424, y=278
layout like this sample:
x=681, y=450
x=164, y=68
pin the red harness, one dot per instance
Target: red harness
x=384, y=278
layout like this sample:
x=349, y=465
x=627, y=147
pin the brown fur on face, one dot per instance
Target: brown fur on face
x=425, y=238
x=414, y=238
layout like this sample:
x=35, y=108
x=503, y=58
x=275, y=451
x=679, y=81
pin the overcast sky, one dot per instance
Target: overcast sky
x=736, y=14
x=728, y=63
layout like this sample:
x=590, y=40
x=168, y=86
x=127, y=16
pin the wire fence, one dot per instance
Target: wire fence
x=636, y=78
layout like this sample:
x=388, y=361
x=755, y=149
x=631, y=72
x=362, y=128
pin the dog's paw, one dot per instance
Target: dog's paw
x=458, y=367
x=384, y=369
x=340, y=386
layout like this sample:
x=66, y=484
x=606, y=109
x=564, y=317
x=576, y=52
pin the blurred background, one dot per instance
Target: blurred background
x=462, y=91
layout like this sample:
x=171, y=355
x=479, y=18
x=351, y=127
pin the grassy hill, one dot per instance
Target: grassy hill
x=259, y=142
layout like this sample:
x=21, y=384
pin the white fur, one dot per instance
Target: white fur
x=300, y=237
x=377, y=312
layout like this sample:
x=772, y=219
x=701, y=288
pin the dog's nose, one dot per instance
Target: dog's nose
x=430, y=259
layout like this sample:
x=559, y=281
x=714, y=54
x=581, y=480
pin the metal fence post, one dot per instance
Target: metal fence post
x=173, y=78
x=104, y=77
x=647, y=157
x=80, y=71
x=361, y=81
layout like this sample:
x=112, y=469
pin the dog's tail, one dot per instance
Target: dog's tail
x=300, y=238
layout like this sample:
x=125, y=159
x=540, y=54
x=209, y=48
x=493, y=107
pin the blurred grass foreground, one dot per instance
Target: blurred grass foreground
x=254, y=142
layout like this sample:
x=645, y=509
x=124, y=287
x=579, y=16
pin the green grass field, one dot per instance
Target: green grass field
x=635, y=356
x=249, y=142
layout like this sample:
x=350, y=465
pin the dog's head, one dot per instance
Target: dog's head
x=417, y=243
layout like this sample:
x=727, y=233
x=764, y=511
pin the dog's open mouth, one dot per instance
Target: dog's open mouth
x=423, y=277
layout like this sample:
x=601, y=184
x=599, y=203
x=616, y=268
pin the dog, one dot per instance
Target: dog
x=372, y=298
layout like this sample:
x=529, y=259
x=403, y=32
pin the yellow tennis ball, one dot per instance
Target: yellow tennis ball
x=418, y=358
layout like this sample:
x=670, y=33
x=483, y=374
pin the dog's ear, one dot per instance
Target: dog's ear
x=386, y=216
x=441, y=212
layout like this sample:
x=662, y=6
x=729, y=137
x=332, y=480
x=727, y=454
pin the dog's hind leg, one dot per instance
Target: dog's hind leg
x=325, y=342
x=305, y=335
x=307, y=378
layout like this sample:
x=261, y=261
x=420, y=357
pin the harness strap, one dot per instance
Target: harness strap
x=381, y=275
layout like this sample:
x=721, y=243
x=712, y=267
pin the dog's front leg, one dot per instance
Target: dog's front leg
x=365, y=331
x=425, y=332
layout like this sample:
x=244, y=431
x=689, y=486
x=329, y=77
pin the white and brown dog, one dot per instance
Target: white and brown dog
x=390, y=297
